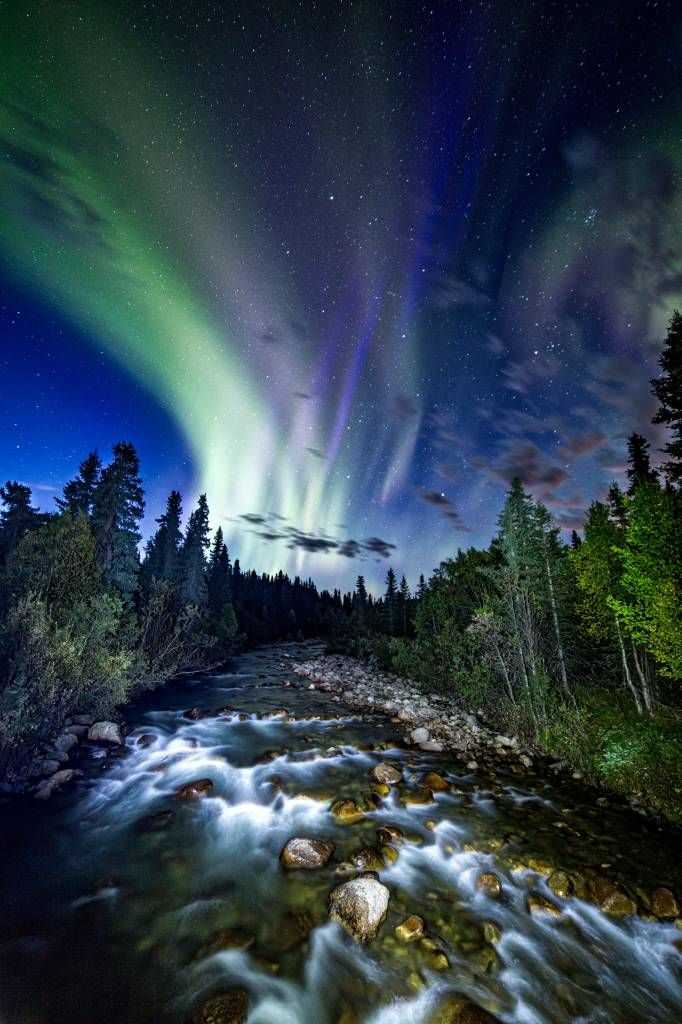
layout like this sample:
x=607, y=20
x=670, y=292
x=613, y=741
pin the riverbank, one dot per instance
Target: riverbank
x=432, y=722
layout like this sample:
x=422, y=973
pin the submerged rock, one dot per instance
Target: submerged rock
x=368, y=858
x=347, y=812
x=230, y=1007
x=105, y=732
x=306, y=854
x=157, y=822
x=435, y=782
x=224, y=938
x=456, y=1009
x=200, y=787
x=560, y=884
x=490, y=884
x=360, y=905
x=411, y=929
x=385, y=774
x=146, y=739
x=389, y=834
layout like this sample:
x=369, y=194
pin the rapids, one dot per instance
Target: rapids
x=109, y=915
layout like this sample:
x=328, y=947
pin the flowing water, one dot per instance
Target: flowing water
x=108, y=916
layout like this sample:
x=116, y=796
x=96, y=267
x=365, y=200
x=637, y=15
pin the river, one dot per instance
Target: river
x=114, y=916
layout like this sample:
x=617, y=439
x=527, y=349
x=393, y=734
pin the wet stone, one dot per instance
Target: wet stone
x=490, y=884
x=193, y=790
x=434, y=782
x=610, y=898
x=306, y=854
x=157, y=822
x=560, y=884
x=230, y=1007
x=411, y=929
x=664, y=905
x=360, y=905
x=386, y=774
x=146, y=739
x=456, y=1009
x=347, y=812
x=223, y=939
x=369, y=858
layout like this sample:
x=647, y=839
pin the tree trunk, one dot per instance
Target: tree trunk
x=557, y=631
x=626, y=669
x=643, y=681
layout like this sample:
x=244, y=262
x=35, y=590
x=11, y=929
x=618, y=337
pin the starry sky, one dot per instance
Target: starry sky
x=347, y=267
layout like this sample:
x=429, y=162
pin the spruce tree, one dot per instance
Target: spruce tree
x=193, y=588
x=17, y=517
x=421, y=587
x=390, y=604
x=117, y=508
x=668, y=390
x=163, y=549
x=403, y=605
x=78, y=494
x=219, y=571
x=639, y=463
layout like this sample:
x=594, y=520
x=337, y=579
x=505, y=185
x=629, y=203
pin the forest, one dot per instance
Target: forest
x=576, y=647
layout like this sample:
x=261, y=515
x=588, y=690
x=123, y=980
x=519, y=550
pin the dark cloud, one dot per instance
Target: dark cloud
x=577, y=445
x=316, y=452
x=434, y=498
x=309, y=543
x=404, y=407
x=378, y=546
x=537, y=470
x=253, y=517
x=350, y=549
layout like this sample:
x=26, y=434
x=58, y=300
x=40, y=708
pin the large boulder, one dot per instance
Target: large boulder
x=360, y=905
x=664, y=905
x=306, y=854
x=105, y=732
x=230, y=1007
x=47, y=787
x=65, y=742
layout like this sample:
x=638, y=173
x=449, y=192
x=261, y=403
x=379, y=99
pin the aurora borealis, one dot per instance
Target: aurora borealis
x=347, y=268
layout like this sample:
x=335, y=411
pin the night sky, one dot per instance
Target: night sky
x=347, y=267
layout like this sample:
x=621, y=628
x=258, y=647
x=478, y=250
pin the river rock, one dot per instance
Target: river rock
x=368, y=858
x=230, y=1007
x=560, y=884
x=664, y=905
x=224, y=939
x=455, y=1009
x=347, y=812
x=48, y=767
x=77, y=730
x=411, y=929
x=306, y=854
x=389, y=834
x=146, y=739
x=490, y=884
x=385, y=774
x=65, y=742
x=420, y=735
x=47, y=787
x=200, y=787
x=157, y=822
x=196, y=714
x=360, y=905
x=610, y=898
x=82, y=719
x=105, y=732
x=435, y=782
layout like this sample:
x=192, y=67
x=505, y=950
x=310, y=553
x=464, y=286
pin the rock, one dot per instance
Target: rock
x=504, y=741
x=368, y=858
x=77, y=730
x=389, y=834
x=230, y=1007
x=610, y=898
x=602, y=801
x=360, y=905
x=490, y=884
x=459, y=1010
x=306, y=854
x=194, y=789
x=435, y=782
x=492, y=932
x=49, y=767
x=420, y=735
x=157, y=822
x=560, y=884
x=82, y=719
x=65, y=742
x=664, y=905
x=105, y=732
x=224, y=938
x=196, y=714
x=526, y=761
x=57, y=755
x=411, y=929
x=472, y=765
x=347, y=812
x=49, y=786
x=539, y=905
x=146, y=739
x=385, y=774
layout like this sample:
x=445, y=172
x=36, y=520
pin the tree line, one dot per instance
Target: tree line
x=86, y=623
x=577, y=646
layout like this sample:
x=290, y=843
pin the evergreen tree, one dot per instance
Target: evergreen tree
x=117, y=508
x=219, y=571
x=403, y=605
x=617, y=505
x=17, y=517
x=193, y=587
x=668, y=390
x=78, y=494
x=391, y=604
x=639, y=463
x=421, y=587
x=162, y=559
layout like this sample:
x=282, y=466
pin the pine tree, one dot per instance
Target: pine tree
x=193, y=588
x=639, y=468
x=421, y=587
x=219, y=571
x=117, y=508
x=403, y=605
x=79, y=493
x=668, y=390
x=162, y=559
x=390, y=604
x=617, y=506
x=17, y=517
